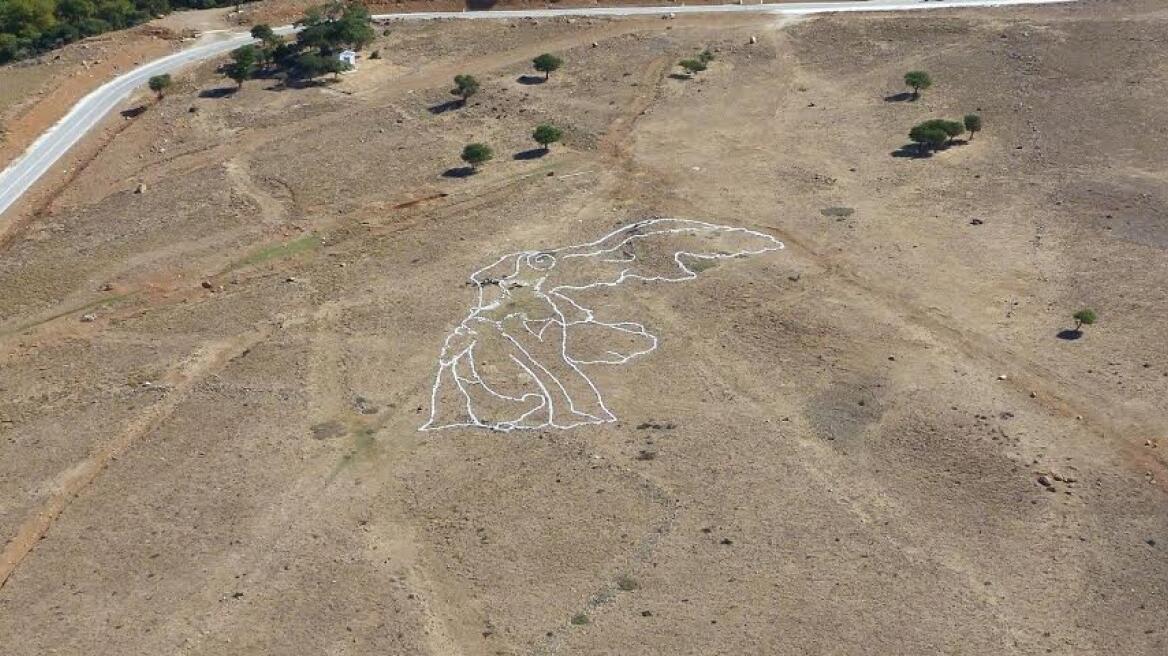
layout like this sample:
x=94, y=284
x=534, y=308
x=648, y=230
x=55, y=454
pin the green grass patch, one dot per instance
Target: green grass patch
x=580, y=619
x=700, y=264
x=837, y=212
x=292, y=248
x=101, y=302
x=627, y=583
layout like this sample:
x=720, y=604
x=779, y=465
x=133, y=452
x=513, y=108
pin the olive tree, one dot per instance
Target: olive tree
x=263, y=33
x=918, y=81
x=972, y=124
x=546, y=63
x=465, y=86
x=476, y=154
x=927, y=137
x=546, y=135
x=243, y=64
x=159, y=84
x=1084, y=317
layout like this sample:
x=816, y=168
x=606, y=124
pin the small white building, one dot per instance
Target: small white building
x=349, y=57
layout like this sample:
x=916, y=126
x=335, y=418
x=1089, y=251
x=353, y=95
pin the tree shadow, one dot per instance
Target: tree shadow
x=534, y=153
x=912, y=151
x=680, y=76
x=531, y=79
x=134, y=112
x=459, y=172
x=218, y=92
x=443, y=107
x=1069, y=334
x=306, y=82
x=903, y=96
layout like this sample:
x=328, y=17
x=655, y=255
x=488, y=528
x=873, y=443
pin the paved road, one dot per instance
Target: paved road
x=22, y=173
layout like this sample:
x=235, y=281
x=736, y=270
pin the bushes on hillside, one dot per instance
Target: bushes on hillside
x=29, y=27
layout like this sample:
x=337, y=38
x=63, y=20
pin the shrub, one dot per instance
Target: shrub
x=476, y=154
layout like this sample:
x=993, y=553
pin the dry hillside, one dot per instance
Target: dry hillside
x=869, y=442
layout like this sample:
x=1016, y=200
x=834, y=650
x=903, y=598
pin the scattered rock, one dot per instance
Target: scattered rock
x=1045, y=481
x=753, y=40
x=140, y=189
x=976, y=222
x=325, y=430
x=1002, y=377
x=365, y=406
x=206, y=284
x=88, y=318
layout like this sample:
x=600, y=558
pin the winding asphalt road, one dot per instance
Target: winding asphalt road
x=22, y=173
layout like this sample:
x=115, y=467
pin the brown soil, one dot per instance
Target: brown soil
x=35, y=94
x=837, y=448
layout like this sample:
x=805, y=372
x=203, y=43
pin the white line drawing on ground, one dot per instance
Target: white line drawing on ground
x=517, y=361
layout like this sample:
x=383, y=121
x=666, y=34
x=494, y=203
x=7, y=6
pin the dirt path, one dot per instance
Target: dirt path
x=73, y=481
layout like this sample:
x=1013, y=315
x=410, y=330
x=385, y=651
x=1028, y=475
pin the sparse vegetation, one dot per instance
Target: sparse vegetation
x=627, y=583
x=159, y=84
x=698, y=63
x=1084, y=317
x=918, y=81
x=546, y=135
x=546, y=64
x=580, y=619
x=465, y=86
x=477, y=154
x=693, y=66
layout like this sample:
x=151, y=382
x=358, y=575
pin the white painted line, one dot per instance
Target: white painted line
x=537, y=316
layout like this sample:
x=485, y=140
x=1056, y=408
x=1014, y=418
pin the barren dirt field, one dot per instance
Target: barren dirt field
x=219, y=341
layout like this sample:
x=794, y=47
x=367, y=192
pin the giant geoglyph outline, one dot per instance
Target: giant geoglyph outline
x=457, y=361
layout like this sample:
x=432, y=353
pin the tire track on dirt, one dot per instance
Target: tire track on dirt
x=71, y=482
x=273, y=211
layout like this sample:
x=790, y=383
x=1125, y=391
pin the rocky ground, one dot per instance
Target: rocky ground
x=218, y=343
